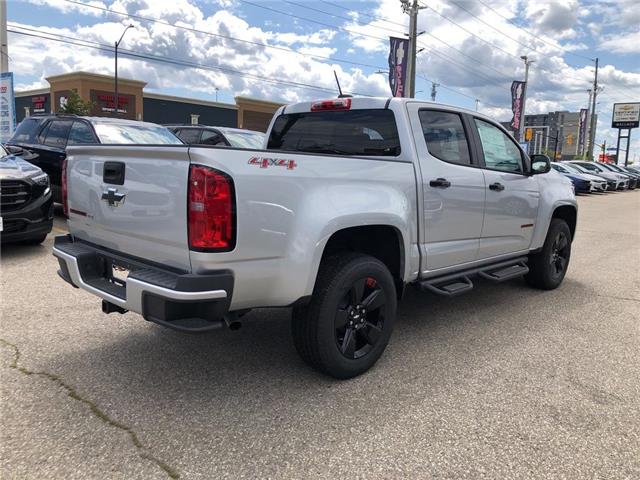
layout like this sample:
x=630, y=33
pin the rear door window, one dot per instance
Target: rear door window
x=81, y=133
x=189, y=135
x=445, y=136
x=57, y=133
x=366, y=132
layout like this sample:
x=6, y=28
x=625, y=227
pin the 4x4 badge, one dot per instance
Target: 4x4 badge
x=113, y=197
x=265, y=162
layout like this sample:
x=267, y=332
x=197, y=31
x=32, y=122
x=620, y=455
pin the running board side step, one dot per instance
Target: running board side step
x=457, y=283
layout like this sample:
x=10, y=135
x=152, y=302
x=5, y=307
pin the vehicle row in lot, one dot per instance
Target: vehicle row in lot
x=590, y=177
x=48, y=136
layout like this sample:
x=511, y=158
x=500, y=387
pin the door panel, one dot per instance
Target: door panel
x=453, y=189
x=512, y=196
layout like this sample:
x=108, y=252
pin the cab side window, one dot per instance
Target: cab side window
x=81, y=133
x=500, y=151
x=445, y=136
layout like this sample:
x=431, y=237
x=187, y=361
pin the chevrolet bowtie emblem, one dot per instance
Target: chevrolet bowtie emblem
x=112, y=197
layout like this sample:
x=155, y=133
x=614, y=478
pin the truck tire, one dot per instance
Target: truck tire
x=345, y=328
x=548, y=267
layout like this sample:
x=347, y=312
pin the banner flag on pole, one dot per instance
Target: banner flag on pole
x=517, y=89
x=398, y=50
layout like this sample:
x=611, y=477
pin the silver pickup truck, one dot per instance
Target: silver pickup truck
x=351, y=200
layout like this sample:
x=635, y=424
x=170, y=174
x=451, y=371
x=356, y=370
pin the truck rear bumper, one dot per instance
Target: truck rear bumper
x=177, y=300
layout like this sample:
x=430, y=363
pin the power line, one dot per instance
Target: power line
x=558, y=46
x=328, y=25
x=163, y=59
x=401, y=33
x=226, y=37
x=439, y=54
x=494, y=45
x=364, y=14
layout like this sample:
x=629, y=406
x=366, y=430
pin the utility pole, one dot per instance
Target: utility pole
x=527, y=62
x=477, y=103
x=434, y=85
x=117, y=44
x=4, y=50
x=587, y=128
x=592, y=124
x=412, y=8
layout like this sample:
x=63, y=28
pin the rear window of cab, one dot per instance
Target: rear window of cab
x=366, y=132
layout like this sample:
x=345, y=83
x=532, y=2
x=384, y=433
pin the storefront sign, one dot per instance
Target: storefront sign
x=105, y=104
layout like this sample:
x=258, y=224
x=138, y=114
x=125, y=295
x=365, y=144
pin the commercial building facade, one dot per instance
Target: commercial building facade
x=560, y=134
x=136, y=104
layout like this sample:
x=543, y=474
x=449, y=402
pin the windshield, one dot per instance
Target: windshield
x=26, y=131
x=144, y=134
x=574, y=168
x=245, y=139
x=591, y=167
x=367, y=132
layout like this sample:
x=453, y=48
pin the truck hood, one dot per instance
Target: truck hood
x=16, y=168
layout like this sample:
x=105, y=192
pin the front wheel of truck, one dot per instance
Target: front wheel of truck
x=548, y=267
x=347, y=324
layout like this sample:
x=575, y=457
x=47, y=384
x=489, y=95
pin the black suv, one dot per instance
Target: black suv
x=48, y=136
x=26, y=206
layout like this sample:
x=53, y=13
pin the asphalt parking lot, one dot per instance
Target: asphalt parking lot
x=503, y=382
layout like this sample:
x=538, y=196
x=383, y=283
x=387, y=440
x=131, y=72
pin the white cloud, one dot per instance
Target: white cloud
x=622, y=42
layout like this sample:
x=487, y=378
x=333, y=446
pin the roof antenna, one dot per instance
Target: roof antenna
x=342, y=95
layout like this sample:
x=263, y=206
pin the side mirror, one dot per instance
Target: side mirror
x=540, y=164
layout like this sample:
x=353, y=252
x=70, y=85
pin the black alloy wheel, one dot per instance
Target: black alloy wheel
x=559, y=257
x=346, y=326
x=360, y=318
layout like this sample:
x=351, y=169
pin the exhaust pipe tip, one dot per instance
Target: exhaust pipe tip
x=232, y=322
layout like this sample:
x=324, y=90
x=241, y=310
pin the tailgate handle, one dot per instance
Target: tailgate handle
x=113, y=173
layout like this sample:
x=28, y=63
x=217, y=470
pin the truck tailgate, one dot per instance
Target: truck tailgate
x=131, y=199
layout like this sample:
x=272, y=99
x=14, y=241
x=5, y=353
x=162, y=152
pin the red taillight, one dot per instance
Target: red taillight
x=65, y=201
x=211, y=212
x=339, y=104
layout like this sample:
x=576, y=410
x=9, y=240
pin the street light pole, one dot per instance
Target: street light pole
x=527, y=62
x=117, y=44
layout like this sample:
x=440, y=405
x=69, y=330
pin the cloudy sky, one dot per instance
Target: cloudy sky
x=287, y=50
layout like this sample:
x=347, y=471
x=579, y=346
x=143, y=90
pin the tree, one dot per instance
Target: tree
x=75, y=105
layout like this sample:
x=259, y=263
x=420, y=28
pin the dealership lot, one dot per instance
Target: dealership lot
x=503, y=382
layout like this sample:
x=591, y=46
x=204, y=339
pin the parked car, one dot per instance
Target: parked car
x=622, y=182
x=634, y=168
x=352, y=200
x=26, y=206
x=633, y=177
x=219, y=136
x=611, y=183
x=48, y=136
x=582, y=182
